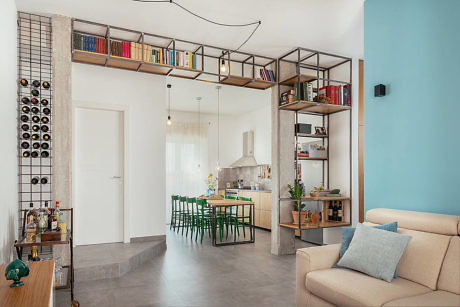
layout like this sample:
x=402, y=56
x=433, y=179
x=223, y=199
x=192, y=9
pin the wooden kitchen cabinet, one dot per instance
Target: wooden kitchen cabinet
x=262, y=207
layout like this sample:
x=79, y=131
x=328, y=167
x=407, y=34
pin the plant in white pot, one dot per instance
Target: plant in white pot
x=296, y=192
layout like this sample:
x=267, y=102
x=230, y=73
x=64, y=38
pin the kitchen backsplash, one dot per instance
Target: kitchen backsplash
x=250, y=176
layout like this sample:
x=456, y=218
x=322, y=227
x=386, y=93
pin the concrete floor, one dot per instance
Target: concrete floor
x=193, y=274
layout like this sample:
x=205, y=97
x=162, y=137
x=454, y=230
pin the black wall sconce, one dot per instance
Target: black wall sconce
x=379, y=90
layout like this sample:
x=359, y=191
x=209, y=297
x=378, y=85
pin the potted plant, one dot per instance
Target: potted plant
x=296, y=192
x=211, y=183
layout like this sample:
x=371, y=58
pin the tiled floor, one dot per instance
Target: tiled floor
x=191, y=274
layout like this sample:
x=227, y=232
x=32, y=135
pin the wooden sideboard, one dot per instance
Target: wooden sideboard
x=37, y=290
x=262, y=205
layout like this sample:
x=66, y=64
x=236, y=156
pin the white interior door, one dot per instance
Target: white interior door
x=99, y=176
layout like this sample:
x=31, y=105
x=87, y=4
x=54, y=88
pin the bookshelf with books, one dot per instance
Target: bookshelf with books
x=316, y=87
x=104, y=45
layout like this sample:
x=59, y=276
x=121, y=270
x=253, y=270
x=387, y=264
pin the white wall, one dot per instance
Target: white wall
x=144, y=96
x=8, y=126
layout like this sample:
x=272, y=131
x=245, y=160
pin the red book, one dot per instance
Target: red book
x=98, y=44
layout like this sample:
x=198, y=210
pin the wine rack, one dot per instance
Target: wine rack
x=35, y=119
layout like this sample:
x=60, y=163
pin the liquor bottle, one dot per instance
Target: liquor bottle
x=35, y=110
x=25, y=127
x=46, y=137
x=34, y=154
x=44, y=180
x=24, y=118
x=34, y=101
x=26, y=154
x=335, y=211
x=330, y=212
x=47, y=209
x=45, y=146
x=35, y=92
x=45, y=119
x=24, y=82
x=46, y=84
x=34, y=180
x=26, y=135
x=25, y=100
x=36, y=145
x=25, y=109
x=45, y=154
x=35, y=127
x=62, y=226
x=36, y=83
x=35, y=136
x=31, y=230
x=46, y=111
x=31, y=213
x=35, y=119
x=42, y=219
x=54, y=217
x=45, y=128
x=44, y=102
x=25, y=145
x=340, y=212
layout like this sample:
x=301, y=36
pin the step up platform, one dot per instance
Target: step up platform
x=112, y=260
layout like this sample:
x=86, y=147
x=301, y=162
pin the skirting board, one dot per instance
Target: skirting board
x=148, y=238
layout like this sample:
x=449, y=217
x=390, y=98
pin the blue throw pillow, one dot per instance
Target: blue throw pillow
x=348, y=233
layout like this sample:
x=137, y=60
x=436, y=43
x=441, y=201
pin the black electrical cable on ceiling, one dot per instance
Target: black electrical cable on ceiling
x=208, y=20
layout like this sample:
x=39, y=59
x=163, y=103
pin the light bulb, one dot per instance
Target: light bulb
x=223, y=68
x=169, y=120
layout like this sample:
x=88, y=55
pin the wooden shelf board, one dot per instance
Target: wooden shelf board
x=313, y=226
x=309, y=135
x=313, y=107
x=236, y=80
x=185, y=72
x=159, y=69
x=89, y=57
x=310, y=158
x=121, y=62
x=293, y=79
x=260, y=84
x=320, y=198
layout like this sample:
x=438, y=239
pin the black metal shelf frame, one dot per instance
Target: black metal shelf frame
x=318, y=72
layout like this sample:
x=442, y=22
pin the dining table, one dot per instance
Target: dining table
x=217, y=204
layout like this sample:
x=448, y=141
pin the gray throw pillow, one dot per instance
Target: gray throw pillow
x=374, y=252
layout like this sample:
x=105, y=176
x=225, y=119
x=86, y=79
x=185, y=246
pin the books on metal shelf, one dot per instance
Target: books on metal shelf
x=338, y=94
x=266, y=74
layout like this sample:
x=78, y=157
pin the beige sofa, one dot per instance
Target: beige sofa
x=428, y=272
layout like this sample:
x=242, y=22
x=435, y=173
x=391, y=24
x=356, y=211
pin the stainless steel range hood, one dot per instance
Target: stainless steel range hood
x=248, y=151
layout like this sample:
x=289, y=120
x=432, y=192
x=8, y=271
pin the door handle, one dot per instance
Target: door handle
x=116, y=177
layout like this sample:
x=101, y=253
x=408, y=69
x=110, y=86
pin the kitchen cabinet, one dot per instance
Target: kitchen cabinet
x=262, y=207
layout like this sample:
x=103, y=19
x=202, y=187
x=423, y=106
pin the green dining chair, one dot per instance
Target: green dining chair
x=190, y=215
x=182, y=213
x=241, y=218
x=174, y=211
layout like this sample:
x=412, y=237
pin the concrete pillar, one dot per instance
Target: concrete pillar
x=283, y=171
x=62, y=120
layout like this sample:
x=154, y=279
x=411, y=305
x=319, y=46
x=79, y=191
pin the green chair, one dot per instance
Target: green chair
x=204, y=220
x=190, y=215
x=182, y=213
x=241, y=218
x=174, y=211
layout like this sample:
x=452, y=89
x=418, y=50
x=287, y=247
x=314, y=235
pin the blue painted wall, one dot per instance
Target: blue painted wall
x=412, y=135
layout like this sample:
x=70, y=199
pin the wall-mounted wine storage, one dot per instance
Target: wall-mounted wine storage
x=35, y=120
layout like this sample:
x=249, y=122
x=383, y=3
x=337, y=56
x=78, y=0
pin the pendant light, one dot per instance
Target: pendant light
x=169, y=104
x=223, y=67
x=218, y=87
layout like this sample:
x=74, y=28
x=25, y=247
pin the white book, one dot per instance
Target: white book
x=187, y=59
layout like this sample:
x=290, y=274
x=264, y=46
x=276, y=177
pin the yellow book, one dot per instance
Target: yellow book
x=133, y=54
x=191, y=60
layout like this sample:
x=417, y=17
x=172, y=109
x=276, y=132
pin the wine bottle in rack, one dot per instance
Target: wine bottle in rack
x=335, y=211
x=34, y=154
x=25, y=100
x=46, y=137
x=46, y=84
x=45, y=146
x=25, y=109
x=44, y=180
x=46, y=111
x=35, y=119
x=35, y=110
x=45, y=120
x=25, y=145
x=36, y=128
x=26, y=154
x=45, y=154
x=36, y=83
x=34, y=180
x=26, y=135
x=34, y=101
x=25, y=127
x=35, y=93
x=340, y=212
x=45, y=128
x=35, y=136
x=44, y=102
x=24, y=82
x=24, y=118
x=330, y=212
x=36, y=145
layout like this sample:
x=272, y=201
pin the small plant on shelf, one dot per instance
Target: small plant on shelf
x=211, y=182
x=296, y=192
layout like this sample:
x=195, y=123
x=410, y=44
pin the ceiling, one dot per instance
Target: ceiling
x=334, y=26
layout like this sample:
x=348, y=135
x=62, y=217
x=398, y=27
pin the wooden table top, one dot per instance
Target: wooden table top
x=36, y=290
x=229, y=202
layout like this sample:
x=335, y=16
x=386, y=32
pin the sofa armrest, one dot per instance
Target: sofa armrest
x=312, y=259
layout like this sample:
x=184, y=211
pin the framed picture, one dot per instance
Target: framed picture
x=320, y=131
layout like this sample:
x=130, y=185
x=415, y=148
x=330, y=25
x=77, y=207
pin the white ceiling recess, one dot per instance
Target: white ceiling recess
x=334, y=26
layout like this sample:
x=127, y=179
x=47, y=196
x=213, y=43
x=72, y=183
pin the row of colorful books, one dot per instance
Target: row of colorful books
x=301, y=91
x=338, y=94
x=266, y=74
x=135, y=51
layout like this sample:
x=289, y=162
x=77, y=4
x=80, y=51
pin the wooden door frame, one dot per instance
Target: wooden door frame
x=125, y=110
x=361, y=141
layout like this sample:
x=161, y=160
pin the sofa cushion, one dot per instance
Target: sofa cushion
x=421, y=221
x=345, y=287
x=433, y=298
x=422, y=260
x=449, y=278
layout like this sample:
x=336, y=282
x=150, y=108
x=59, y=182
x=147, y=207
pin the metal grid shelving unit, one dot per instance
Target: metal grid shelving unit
x=317, y=68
